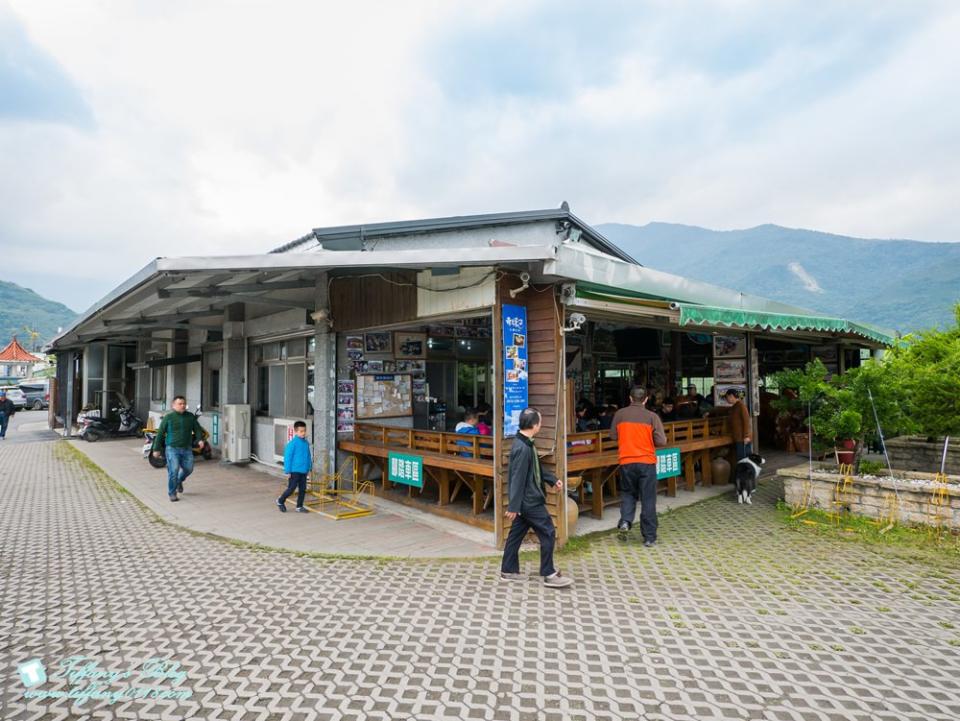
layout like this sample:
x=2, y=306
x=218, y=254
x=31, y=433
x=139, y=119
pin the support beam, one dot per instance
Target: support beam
x=170, y=317
x=214, y=291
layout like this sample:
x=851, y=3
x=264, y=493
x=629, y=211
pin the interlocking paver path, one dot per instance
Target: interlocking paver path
x=730, y=616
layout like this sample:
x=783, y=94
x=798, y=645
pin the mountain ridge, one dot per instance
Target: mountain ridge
x=894, y=283
x=22, y=308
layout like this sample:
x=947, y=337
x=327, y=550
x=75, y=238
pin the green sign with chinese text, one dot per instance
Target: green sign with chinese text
x=668, y=463
x=402, y=468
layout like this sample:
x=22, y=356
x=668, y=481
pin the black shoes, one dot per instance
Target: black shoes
x=301, y=509
x=650, y=543
x=173, y=497
x=282, y=506
x=180, y=487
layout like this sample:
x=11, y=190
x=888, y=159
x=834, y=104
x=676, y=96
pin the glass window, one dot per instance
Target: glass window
x=297, y=348
x=158, y=384
x=213, y=389
x=263, y=390
x=271, y=352
x=277, y=407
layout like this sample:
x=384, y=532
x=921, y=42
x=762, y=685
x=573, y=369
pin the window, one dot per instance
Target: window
x=158, y=384
x=263, y=390
x=213, y=390
x=283, y=384
x=212, y=363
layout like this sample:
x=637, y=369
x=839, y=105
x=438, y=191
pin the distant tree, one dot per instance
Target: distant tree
x=926, y=366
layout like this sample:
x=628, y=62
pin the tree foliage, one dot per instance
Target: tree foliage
x=914, y=388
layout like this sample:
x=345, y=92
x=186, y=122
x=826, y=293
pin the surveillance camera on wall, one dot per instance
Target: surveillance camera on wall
x=574, y=322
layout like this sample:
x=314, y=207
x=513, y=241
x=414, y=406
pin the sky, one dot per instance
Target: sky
x=131, y=130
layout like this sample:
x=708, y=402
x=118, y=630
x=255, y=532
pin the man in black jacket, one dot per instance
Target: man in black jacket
x=527, y=507
x=7, y=409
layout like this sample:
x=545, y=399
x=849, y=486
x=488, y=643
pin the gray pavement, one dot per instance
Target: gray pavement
x=730, y=616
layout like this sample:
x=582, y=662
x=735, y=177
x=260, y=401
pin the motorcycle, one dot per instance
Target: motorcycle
x=93, y=427
x=149, y=436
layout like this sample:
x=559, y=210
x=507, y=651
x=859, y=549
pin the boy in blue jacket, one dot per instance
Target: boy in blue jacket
x=297, y=461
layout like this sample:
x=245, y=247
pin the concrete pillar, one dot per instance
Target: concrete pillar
x=325, y=384
x=233, y=370
x=68, y=408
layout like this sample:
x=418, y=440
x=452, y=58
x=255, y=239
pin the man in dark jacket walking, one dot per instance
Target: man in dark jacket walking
x=176, y=435
x=7, y=409
x=527, y=507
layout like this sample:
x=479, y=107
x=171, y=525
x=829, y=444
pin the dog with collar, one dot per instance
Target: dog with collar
x=745, y=477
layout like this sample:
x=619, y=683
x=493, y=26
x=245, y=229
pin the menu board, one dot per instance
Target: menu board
x=386, y=395
x=515, y=393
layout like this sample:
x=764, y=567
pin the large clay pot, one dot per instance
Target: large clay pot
x=720, y=467
x=573, y=510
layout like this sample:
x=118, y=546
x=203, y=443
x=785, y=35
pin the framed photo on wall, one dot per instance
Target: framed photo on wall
x=729, y=346
x=733, y=370
x=410, y=345
x=378, y=342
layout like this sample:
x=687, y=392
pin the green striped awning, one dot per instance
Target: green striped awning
x=704, y=315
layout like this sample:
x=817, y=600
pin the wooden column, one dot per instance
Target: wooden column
x=545, y=367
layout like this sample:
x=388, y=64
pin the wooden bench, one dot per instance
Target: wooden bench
x=452, y=460
x=594, y=455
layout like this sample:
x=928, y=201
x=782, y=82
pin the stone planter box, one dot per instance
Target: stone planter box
x=914, y=453
x=870, y=495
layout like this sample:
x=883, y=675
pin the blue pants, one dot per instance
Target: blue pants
x=638, y=482
x=4, y=419
x=743, y=450
x=179, y=466
x=539, y=520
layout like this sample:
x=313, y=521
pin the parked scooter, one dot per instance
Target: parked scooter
x=148, y=437
x=93, y=427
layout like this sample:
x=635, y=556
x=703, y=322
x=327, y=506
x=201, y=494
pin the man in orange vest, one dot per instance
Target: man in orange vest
x=638, y=432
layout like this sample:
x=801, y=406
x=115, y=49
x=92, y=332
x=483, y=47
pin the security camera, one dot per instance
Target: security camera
x=574, y=322
x=525, y=279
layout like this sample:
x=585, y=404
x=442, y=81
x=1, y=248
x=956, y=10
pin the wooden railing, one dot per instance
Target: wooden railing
x=458, y=445
x=678, y=433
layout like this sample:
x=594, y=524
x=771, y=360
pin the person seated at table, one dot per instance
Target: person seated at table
x=586, y=420
x=668, y=411
x=468, y=426
x=605, y=417
x=484, y=420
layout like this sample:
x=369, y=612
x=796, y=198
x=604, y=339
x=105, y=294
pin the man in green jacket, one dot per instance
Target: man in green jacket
x=176, y=435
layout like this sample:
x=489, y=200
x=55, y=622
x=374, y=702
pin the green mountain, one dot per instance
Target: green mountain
x=21, y=308
x=897, y=284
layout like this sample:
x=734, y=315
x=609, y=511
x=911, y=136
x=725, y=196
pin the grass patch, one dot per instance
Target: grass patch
x=918, y=542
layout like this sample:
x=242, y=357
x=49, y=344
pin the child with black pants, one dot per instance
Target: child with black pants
x=297, y=461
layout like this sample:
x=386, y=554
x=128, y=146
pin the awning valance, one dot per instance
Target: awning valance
x=704, y=315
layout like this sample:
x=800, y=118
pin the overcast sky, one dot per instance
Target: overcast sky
x=130, y=130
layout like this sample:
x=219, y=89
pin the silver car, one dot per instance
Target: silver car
x=15, y=395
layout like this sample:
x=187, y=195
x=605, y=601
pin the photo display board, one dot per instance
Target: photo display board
x=514, y=366
x=386, y=395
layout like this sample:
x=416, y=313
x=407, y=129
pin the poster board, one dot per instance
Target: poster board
x=515, y=392
x=384, y=395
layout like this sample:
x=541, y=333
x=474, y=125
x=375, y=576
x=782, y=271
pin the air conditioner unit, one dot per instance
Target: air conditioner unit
x=283, y=434
x=236, y=433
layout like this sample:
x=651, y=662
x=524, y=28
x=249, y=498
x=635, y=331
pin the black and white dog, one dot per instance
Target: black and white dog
x=745, y=477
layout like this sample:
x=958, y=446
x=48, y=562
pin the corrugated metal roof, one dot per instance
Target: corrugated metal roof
x=459, y=222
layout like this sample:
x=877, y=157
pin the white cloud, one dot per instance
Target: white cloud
x=225, y=126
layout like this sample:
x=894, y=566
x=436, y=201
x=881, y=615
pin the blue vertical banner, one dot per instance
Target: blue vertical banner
x=515, y=393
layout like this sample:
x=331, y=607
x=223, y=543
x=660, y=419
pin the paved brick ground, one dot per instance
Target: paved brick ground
x=729, y=617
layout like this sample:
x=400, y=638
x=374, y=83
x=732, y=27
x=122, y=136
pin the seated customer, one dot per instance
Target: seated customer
x=585, y=419
x=668, y=411
x=468, y=426
x=484, y=420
